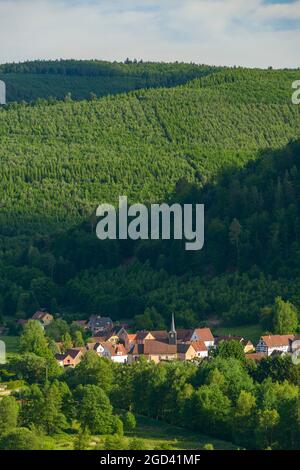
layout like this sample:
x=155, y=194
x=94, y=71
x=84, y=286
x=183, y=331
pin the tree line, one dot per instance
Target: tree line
x=256, y=406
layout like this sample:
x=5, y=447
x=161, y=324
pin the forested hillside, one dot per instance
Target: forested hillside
x=85, y=79
x=60, y=161
x=221, y=139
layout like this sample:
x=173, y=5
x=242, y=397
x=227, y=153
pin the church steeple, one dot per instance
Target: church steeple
x=172, y=332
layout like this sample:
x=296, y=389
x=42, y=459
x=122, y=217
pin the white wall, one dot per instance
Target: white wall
x=2, y=93
x=120, y=359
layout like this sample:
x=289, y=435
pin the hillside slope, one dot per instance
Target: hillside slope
x=211, y=140
x=30, y=81
x=64, y=159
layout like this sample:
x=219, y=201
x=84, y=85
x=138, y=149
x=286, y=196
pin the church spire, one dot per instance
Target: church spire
x=172, y=332
x=173, y=324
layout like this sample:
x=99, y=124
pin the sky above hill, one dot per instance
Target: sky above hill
x=221, y=32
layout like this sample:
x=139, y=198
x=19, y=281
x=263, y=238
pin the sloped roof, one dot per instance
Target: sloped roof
x=204, y=334
x=160, y=334
x=74, y=352
x=39, y=315
x=155, y=348
x=277, y=340
x=119, y=350
x=199, y=346
x=184, y=334
x=90, y=346
x=131, y=337
x=182, y=348
x=60, y=357
x=258, y=356
x=141, y=335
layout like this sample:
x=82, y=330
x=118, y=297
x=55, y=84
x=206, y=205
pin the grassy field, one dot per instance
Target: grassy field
x=12, y=346
x=11, y=342
x=155, y=435
x=252, y=332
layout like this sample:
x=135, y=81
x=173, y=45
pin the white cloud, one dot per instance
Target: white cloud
x=228, y=32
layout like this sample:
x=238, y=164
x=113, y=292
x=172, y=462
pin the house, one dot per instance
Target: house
x=181, y=344
x=113, y=338
x=196, y=334
x=256, y=356
x=126, y=338
x=43, y=317
x=159, y=335
x=98, y=338
x=205, y=335
x=154, y=350
x=98, y=324
x=95, y=346
x=184, y=335
x=115, y=352
x=191, y=351
x=143, y=336
x=71, y=358
x=295, y=343
x=120, y=355
x=122, y=335
x=130, y=341
x=269, y=343
x=200, y=348
x=185, y=352
x=247, y=345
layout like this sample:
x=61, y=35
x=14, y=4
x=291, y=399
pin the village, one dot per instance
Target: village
x=115, y=343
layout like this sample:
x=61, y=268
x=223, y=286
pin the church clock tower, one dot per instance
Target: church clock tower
x=173, y=333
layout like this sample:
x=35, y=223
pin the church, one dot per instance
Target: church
x=179, y=344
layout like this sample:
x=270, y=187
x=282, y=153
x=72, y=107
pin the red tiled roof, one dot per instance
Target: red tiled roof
x=120, y=350
x=39, y=315
x=255, y=356
x=131, y=337
x=199, y=346
x=204, y=334
x=277, y=340
x=159, y=334
x=184, y=334
x=141, y=335
x=154, y=347
x=159, y=347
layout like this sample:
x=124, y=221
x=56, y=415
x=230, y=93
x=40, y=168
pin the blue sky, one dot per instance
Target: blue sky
x=221, y=32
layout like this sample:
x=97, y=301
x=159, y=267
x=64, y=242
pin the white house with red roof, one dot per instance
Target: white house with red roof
x=205, y=335
x=270, y=343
